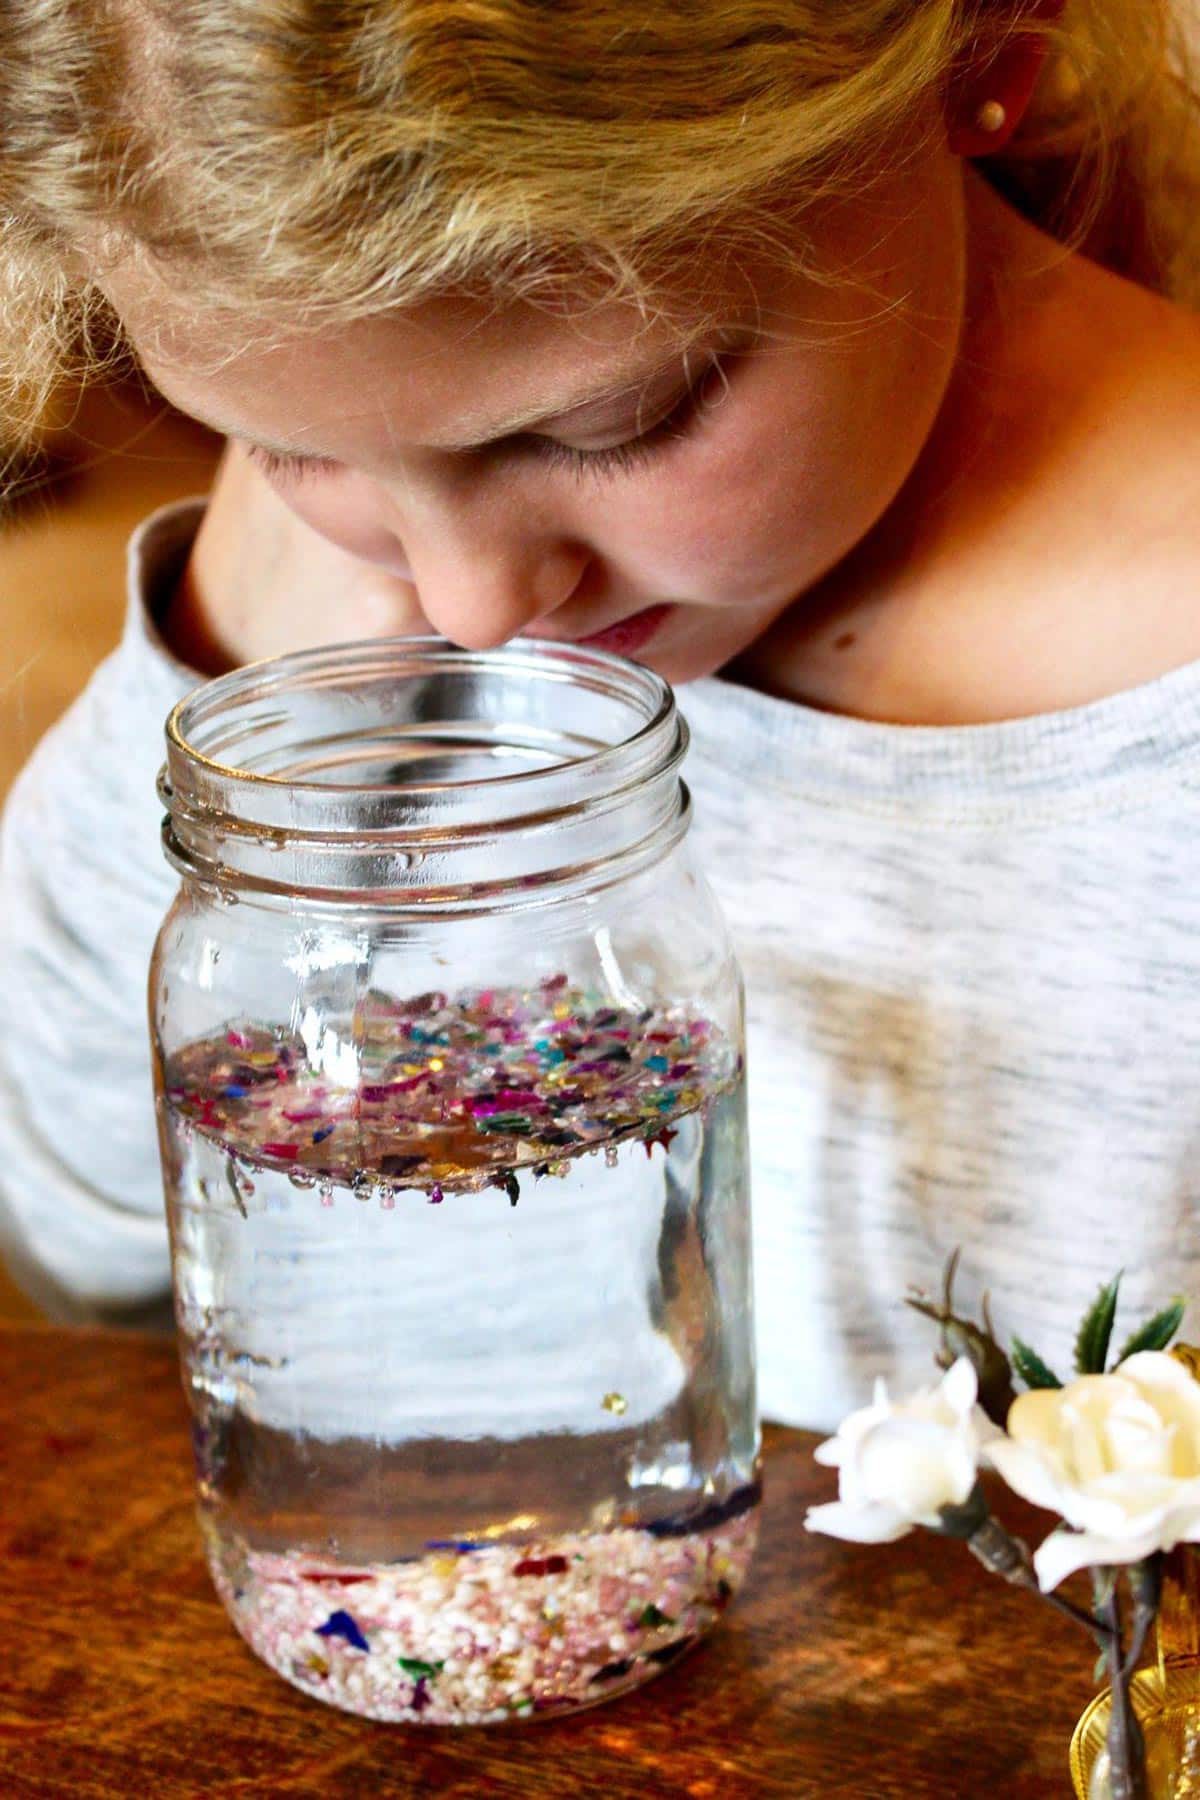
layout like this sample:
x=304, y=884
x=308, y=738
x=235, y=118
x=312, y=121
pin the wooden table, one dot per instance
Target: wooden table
x=894, y=1673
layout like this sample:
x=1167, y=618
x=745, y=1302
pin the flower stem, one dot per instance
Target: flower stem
x=1007, y=1556
x=1126, y=1747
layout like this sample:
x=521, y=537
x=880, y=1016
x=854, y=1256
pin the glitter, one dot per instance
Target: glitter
x=420, y=1671
x=615, y=1403
x=509, y=1122
x=235, y=1190
x=611, y=1670
x=651, y=1619
x=400, y=1165
x=505, y=1081
x=432, y=1651
x=341, y=1625
x=542, y=1565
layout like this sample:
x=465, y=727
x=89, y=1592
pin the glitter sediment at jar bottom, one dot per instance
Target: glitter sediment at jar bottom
x=476, y=1634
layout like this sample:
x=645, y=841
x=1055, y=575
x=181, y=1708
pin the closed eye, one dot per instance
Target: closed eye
x=619, y=459
x=285, y=466
x=610, y=460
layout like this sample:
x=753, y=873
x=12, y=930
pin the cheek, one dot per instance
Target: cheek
x=764, y=503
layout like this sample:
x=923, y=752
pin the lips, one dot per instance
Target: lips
x=628, y=636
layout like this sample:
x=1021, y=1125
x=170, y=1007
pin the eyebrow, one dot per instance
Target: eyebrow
x=621, y=387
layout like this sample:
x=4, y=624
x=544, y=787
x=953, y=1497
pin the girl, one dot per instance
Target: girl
x=730, y=336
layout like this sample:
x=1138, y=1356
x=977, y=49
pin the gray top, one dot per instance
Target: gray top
x=973, y=966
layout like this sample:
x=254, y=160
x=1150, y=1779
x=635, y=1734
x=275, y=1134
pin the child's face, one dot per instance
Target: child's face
x=547, y=473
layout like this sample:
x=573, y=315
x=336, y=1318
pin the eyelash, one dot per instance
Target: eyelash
x=290, y=468
x=621, y=459
x=617, y=459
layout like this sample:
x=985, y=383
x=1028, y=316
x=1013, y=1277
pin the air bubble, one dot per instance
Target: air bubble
x=326, y=1192
x=611, y=1156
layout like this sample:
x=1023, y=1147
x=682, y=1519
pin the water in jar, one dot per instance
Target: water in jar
x=466, y=1335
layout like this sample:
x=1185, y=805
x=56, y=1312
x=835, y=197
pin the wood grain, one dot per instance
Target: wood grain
x=895, y=1673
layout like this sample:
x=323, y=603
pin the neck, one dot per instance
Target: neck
x=989, y=587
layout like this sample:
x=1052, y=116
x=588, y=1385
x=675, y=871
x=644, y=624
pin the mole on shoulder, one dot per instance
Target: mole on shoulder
x=844, y=642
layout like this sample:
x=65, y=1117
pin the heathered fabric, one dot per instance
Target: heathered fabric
x=972, y=958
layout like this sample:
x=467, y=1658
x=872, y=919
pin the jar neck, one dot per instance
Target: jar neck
x=407, y=773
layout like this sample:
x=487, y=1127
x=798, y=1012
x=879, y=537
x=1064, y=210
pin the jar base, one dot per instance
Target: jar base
x=483, y=1635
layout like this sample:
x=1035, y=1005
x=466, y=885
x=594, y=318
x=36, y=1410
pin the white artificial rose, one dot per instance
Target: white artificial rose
x=899, y=1465
x=1118, y=1456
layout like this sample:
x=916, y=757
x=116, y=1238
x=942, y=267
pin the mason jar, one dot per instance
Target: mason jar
x=448, y=1055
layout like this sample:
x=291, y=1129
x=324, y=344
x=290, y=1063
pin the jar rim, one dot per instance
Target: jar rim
x=573, y=661
x=572, y=756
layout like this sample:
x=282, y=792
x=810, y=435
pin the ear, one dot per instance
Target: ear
x=990, y=92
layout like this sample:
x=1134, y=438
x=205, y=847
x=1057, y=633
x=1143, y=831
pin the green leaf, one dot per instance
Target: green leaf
x=1157, y=1332
x=1091, y=1344
x=1030, y=1367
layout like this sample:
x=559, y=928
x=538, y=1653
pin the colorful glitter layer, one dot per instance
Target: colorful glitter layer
x=478, y=1634
x=455, y=1094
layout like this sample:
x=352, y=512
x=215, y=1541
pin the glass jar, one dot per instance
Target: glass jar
x=449, y=1070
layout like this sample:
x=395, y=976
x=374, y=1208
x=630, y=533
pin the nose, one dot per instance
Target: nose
x=480, y=581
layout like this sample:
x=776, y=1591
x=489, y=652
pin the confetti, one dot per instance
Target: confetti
x=420, y=1671
x=424, y=1645
x=651, y=1619
x=457, y=1093
x=544, y=1565
x=341, y=1625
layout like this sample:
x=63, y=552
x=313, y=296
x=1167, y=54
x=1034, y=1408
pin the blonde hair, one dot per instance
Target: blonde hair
x=338, y=157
